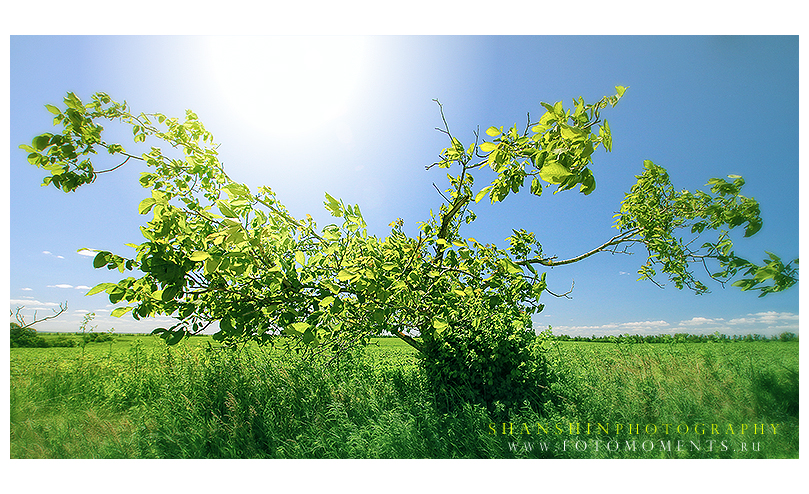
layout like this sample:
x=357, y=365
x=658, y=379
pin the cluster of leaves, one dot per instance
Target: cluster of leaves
x=653, y=211
x=558, y=149
x=216, y=251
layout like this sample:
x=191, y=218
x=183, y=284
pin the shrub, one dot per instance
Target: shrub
x=62, y=341
x=25, y=337
x=102, y=337
x=489, y=360
x=93, y=337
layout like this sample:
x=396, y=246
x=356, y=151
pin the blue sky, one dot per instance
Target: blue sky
x=354, y=117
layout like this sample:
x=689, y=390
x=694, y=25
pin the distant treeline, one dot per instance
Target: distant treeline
x=21, y=337
x=678, y=338
x=28, y=337
x=666, y=338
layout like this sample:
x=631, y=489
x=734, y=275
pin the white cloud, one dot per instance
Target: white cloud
x=82, y=287
x=49, y=253
x=771, y=318
x=633, y=327
x=698, y=321
x=776, y=316
x=741, y=320
x=764, y=323
x=31, y=304
x=61, y=285
x=26, y=289
x=643, y=324
x=87, y=252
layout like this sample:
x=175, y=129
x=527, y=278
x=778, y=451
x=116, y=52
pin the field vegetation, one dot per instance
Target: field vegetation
x=136, y=397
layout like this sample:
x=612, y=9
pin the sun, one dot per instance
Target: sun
x=287, y=85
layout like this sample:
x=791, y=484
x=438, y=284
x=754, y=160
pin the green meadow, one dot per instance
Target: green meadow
x=135, y=397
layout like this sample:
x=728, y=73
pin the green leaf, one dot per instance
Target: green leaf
x=56, y=169
x=554, y=172
x=488, y=146
x=606, y=136
x=300, y=258
x=116, y=294
x=72, y=101
x=753, y=227
x=378, y=316
x=572, y=133
x=333, y=205
x=309, y=337
x=536, y=187
x=226, y=325
x=211, y=265
x=511, y=267
x=40, y=142
x=147, y=179
x=101, y=259
x=224, y=207
x=440, y=324
x=480, y=195
x=345, y=275
x=588, y=183
x=100, y=288
x=175, y=338
x=493, y=131
x=170, y=292
x=297, y=328
x=120, y=311
x=53, y=109
x=330, y=286
x=146, y=205
x=200, y=255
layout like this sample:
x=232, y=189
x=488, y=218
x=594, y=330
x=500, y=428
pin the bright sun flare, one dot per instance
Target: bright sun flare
x=287, y=84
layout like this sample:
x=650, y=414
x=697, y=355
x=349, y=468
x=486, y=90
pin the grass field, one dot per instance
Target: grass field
x=137, y=398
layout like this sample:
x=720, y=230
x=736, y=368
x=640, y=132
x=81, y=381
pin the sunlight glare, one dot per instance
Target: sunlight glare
x=287, y=85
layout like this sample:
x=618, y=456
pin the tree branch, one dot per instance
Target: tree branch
x=21, y=319
x=616, y=240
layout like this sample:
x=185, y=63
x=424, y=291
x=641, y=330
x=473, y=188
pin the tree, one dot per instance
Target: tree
x=217, y=251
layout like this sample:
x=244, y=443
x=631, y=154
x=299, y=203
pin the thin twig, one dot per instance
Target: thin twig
x=566, y=294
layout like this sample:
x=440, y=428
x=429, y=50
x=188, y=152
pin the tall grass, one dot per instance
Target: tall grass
x=691, y=384
x=143, y=401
